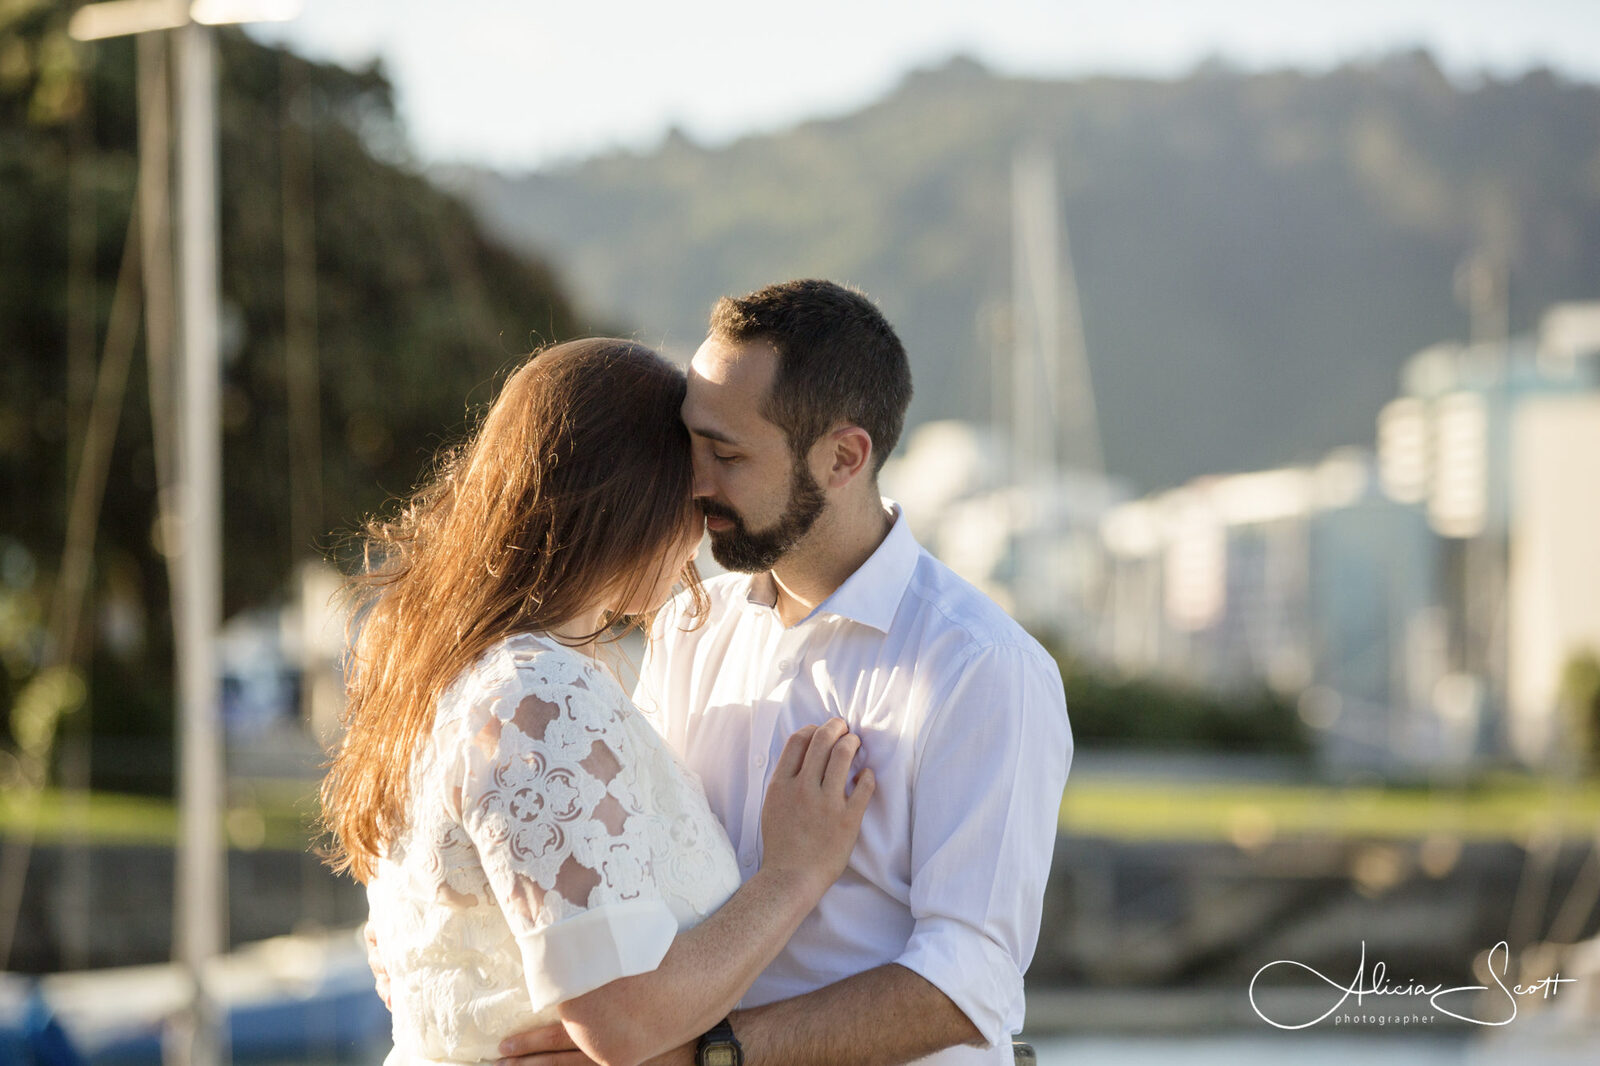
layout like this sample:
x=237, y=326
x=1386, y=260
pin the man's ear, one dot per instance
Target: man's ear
x=847, y=453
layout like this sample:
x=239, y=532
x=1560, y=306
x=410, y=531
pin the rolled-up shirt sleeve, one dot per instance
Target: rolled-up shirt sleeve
x=992, y=762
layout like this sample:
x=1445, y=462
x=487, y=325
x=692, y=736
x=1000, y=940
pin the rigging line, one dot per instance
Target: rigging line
x=302, y=358
x=1580, y=901
x=1540, y=853
x=105, y=416
x=72, y=579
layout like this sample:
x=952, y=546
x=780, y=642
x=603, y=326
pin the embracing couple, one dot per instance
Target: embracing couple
x=829, y=803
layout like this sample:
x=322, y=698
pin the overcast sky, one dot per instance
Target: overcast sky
x=523, y=83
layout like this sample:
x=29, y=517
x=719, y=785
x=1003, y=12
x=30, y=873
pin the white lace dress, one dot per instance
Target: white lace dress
x=555, y=844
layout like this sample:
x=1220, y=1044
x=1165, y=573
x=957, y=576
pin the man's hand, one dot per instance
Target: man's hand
x=883, y=1017
x=380, y=976
x=549, y=1045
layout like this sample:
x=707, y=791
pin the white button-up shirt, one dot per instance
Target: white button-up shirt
x=963, y=721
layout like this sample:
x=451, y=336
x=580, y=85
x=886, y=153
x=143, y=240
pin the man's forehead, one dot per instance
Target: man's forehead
x=743, y=365
x=727, y=382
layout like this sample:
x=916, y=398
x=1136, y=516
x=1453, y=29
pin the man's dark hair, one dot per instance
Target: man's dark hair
x=838, y=361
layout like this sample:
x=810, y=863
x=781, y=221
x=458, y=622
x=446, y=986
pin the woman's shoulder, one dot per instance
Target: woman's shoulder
x=517, y=668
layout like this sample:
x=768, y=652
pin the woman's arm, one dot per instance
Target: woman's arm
x=809, y=828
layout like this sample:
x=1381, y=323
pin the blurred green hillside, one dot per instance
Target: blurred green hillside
x=1256, y=253
x=416, y=312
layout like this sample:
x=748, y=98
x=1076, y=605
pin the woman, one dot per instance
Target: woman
x=532, y=850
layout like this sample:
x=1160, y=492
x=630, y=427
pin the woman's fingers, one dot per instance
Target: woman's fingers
x=821, y=747
x=794, y=752
x=837, y=771
x=866, y=785
x=820, y=755
x=810, y=821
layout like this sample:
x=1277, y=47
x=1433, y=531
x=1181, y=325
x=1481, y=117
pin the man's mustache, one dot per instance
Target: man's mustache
x=712, y=509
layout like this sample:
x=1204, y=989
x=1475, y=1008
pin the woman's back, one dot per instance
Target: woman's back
x=553, y=844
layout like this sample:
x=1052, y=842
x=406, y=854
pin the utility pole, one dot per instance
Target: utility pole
x=200, y=909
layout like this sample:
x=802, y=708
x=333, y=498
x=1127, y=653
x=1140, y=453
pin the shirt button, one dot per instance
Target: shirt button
x=760, y=761
x=748, y=858
x=784, y=665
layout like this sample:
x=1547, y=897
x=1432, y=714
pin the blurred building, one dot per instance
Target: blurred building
x=1499, y=443
x=1420, y=600
x=1372, y=598
x=1554, y=602
x=1304, y=579
x=1032, y=544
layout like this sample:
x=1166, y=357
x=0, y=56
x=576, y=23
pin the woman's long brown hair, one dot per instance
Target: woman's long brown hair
x=571, y=493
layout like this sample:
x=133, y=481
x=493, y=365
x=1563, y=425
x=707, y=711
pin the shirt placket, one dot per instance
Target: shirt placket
x=775, y=676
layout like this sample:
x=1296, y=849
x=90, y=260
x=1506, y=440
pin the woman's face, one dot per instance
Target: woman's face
x=656, y=592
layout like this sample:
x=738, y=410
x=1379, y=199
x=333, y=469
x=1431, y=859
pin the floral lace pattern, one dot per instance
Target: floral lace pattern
x=541, y=797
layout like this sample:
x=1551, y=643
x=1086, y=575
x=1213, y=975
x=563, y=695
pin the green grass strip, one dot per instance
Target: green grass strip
x=281, y=814
x=1250, y=814
x=276, y=815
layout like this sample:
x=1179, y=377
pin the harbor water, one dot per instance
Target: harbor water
x=1253, y=1049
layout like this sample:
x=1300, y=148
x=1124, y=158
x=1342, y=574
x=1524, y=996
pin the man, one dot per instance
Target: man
x=795, y=399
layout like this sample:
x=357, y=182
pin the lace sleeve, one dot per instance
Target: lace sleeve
x=550, y=785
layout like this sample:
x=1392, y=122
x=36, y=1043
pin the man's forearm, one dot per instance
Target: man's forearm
x=882, y=1017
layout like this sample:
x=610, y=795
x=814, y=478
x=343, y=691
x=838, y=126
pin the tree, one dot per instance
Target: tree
x=416, y=312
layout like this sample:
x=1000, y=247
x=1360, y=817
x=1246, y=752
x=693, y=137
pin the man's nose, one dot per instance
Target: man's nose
x=701, y=488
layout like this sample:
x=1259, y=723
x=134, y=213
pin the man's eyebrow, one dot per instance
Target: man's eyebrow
x=712, y=434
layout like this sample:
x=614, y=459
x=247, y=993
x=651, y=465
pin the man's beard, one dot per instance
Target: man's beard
x=748, y=552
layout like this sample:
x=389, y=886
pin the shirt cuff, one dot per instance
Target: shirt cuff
x=581, y=953
x=977, y=974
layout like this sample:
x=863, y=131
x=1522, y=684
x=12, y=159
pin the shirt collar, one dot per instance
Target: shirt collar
x=872, y=594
